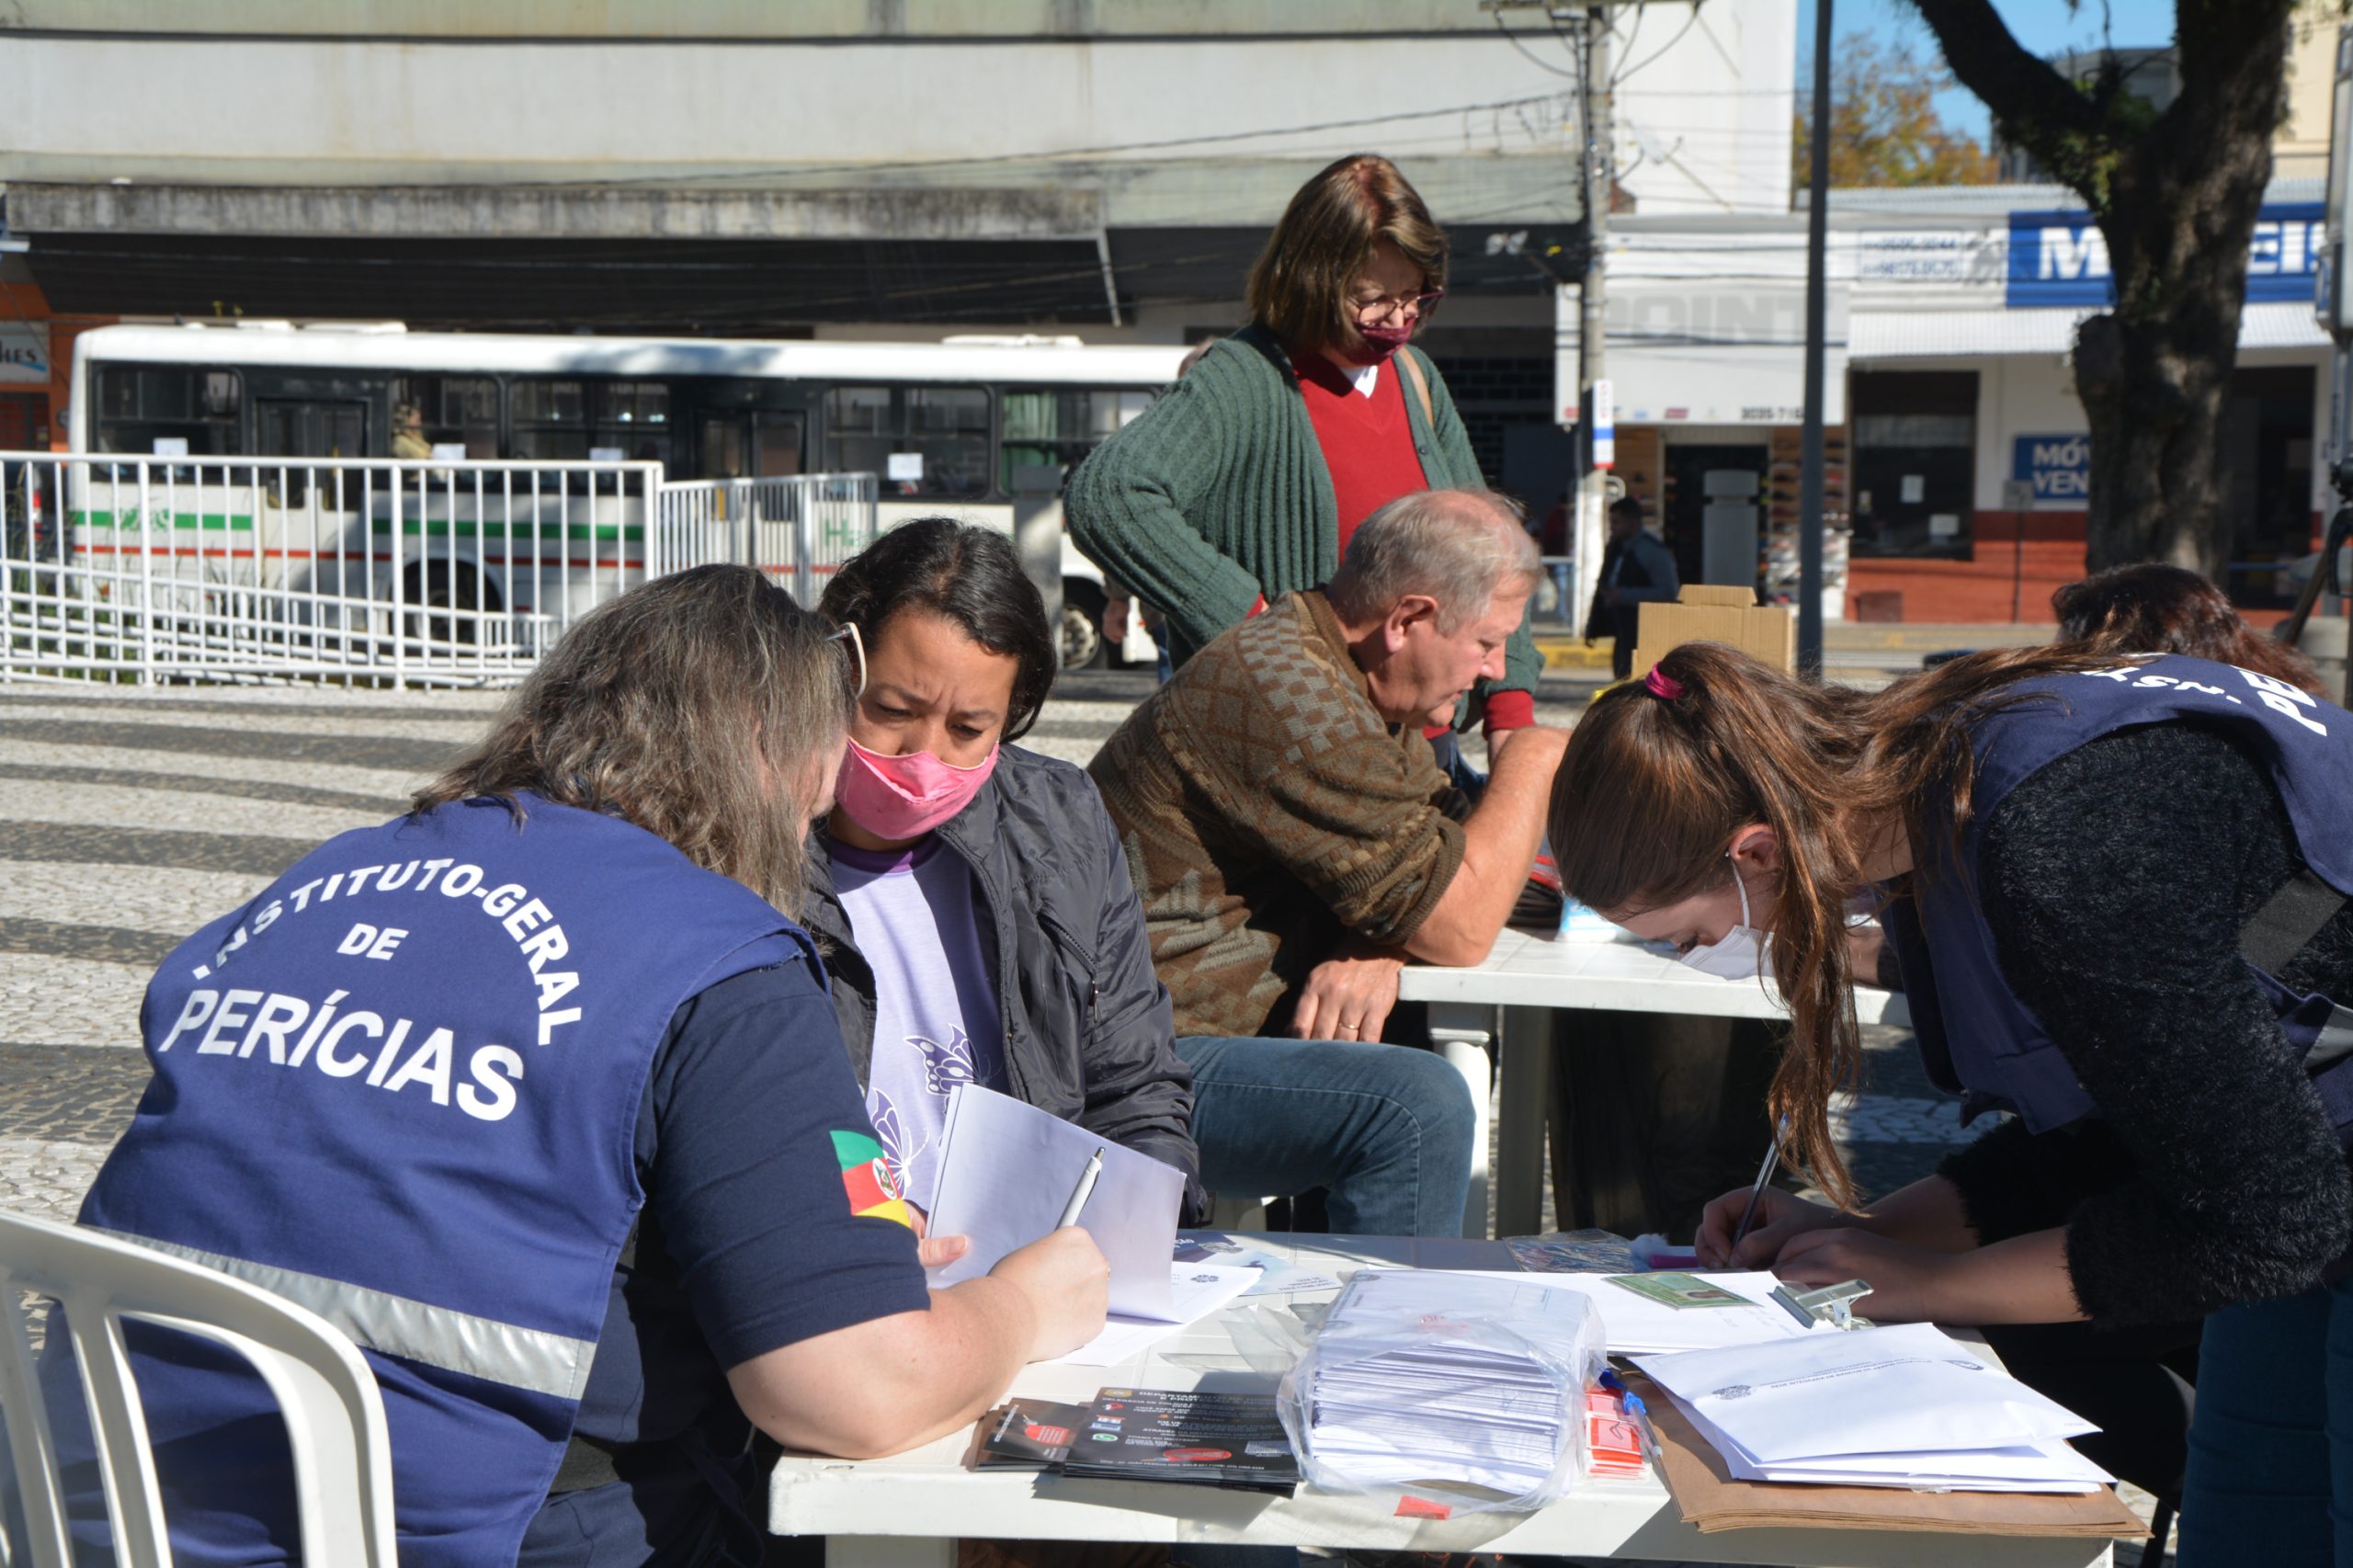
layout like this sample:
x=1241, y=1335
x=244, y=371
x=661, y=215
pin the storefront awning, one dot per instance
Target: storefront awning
x=1937, y=334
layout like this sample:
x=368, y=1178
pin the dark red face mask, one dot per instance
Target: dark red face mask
x=1378, y=343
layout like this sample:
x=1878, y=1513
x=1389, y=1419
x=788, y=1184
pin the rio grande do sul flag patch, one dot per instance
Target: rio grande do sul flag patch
x=866, y=1178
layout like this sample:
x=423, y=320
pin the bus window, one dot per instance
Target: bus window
x=632, y=417
x=455, y=409
x=917, y=440
x=551, y=419
x=138, y=404
x=1060, y=425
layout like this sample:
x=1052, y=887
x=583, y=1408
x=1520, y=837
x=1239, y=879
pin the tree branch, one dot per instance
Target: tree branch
x=2035, y=106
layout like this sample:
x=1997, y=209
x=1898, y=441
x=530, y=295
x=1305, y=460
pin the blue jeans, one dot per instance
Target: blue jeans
x=1385, y=1129
x=2271, y=1443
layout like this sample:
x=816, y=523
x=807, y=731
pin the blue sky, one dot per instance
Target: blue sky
x=2046, y=27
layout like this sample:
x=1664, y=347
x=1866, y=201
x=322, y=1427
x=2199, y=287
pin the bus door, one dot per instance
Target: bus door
x=308, y=427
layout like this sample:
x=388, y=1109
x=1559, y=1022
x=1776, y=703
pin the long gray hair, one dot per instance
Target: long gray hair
x=705, y=706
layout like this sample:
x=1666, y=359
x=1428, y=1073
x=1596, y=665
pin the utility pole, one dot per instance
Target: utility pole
x=1817, y=290
x=1592, y=482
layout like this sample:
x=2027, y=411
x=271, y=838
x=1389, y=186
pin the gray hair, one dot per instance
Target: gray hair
x=1457, y=546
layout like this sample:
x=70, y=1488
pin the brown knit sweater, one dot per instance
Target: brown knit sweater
x=1267, y=811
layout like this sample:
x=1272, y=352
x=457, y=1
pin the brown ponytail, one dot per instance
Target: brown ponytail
x=1654, y=787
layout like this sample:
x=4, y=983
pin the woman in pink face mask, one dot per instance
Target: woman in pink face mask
x=981, y=928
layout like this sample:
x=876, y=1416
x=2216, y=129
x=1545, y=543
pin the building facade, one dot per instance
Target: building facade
x=853, y=168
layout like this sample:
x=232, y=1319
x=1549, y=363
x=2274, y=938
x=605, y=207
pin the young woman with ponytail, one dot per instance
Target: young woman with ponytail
x=2118, y=890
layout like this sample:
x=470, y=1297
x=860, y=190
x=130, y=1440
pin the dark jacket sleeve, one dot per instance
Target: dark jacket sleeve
x=2116, y=880
x=1139, y=1091
x=1130, y=504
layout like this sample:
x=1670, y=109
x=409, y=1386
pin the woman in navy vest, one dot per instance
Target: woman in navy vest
x=537, y=1094
x=2118, y=892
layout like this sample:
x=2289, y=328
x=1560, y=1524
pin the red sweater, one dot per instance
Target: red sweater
x=1367, y=446
x=1368, y=442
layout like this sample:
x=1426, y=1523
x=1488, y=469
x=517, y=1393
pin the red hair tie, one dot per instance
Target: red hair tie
x=1660, y=684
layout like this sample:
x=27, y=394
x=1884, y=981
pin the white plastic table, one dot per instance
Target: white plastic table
x=1500, y=1003
x=904, y=1512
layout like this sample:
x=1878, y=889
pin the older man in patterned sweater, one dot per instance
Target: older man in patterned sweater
x=1294, y=843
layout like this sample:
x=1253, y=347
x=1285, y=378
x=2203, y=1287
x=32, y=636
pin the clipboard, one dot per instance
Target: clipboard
x=1710, y=1500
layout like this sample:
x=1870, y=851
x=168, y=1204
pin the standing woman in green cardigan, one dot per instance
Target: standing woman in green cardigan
x=1243, y=481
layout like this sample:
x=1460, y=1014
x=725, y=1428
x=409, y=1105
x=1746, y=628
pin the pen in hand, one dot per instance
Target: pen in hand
x=1756, y=1193
x=1082, y=1192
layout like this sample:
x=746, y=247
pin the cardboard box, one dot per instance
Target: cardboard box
x=1707, y=613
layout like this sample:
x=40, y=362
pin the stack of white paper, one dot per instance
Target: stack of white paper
x=1410, y=1381
x=1905, y=1406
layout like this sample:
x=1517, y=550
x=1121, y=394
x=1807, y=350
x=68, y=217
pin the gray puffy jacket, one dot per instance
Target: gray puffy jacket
x=1089, y=1034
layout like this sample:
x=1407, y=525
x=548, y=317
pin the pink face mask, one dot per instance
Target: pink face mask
x=905, y=797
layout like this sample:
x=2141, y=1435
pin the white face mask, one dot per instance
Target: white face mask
x=1742, y=954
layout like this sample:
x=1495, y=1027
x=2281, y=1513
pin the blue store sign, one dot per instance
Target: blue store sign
x=2059, y=466
x=2060, y=258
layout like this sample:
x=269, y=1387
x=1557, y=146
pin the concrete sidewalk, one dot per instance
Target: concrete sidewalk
x=1893, y=647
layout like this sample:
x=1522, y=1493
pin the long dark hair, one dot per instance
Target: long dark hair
x=2154, y=608
x=970, y=578
x=703, y=706
x=1654, y=789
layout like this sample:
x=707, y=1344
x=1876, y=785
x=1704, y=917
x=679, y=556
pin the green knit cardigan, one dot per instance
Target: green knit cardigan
x=1217, y=492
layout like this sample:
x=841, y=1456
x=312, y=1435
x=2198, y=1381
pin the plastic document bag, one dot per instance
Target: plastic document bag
x=1468, y=1387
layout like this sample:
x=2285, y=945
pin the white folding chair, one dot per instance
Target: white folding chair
x=334, y=1417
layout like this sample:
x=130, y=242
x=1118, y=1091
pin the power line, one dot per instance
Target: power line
x=1050, y=155
x=1533, y=59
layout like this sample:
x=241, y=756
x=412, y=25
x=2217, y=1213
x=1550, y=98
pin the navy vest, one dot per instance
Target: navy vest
x=1976, y=1034
x=401, y=1088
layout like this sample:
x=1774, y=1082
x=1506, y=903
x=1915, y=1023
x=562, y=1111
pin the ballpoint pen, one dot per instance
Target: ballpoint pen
x=1083, y=1191
x=1764, y=1177
x=1640, y=1413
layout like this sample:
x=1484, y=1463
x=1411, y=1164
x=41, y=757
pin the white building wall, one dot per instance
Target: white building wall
x=1185, y=125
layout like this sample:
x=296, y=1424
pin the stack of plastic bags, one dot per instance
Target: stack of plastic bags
x=1423, y=1379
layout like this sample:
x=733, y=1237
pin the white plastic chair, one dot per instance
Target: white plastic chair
x=333, y=1414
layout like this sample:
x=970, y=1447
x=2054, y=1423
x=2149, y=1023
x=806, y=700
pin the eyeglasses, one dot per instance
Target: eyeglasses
x=1394, y=304
x=855, y=656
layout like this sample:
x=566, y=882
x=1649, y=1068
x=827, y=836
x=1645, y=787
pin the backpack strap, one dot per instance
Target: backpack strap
x=1412, y=365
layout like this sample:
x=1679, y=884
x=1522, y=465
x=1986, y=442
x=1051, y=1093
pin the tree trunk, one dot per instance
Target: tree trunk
x=2175, y=195
x=2153, y=395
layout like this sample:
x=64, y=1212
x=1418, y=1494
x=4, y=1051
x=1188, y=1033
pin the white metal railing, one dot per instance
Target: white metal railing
x=798, y=527
x=395, y=571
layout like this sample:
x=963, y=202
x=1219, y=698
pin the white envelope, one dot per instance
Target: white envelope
x=1905, y=1389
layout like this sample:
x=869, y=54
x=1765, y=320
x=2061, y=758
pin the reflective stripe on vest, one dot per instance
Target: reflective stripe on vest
x=399, y=1088
x=415, y=1331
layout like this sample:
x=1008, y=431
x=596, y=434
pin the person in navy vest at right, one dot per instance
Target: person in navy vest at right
x=537, y=1094
x=2119, y=898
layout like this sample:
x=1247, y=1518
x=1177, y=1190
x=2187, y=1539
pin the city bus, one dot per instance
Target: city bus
x=967, y=426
